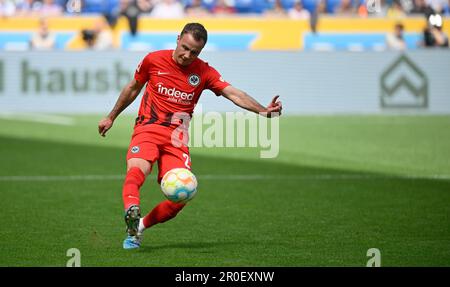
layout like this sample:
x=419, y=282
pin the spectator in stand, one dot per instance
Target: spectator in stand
x=48, y=8
x=7, y=8
x=43, y=39
x=298, y=11
x=168, y=9
x=26, y=8
x=276, y=11
x=223, y=8
x=396, y=10
x=130, y=10
x=103, y=35
x=321, y=9
x=362, y=10
x=196, y=9
x=345, y=8
x=433, y=36
x=421, y=7
x=145, y=6
x=396, y=41
x=436, y=5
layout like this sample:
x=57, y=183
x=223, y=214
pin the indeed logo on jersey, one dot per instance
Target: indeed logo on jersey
x=175, y=95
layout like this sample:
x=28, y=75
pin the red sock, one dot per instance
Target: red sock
x=162, y=212
x=130, y=192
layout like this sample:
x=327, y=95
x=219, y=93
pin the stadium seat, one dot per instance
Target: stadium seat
x=332, y=5
x=310, y=5
x=244, y=6
x=99, y=6
x=288, y=4
x=94, y=6
x=208, y=4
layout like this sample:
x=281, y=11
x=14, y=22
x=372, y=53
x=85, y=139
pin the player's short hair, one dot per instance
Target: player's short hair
x=197, y=30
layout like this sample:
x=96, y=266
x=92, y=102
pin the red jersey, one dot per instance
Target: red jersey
x=172, y=88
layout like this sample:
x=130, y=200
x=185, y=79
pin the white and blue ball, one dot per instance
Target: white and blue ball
x=179, y=185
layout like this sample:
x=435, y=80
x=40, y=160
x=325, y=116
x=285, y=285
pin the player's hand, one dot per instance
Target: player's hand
x=104, y=125
x=274, y=108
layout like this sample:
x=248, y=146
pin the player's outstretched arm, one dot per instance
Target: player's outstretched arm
x=127, y=96
x=244, y=100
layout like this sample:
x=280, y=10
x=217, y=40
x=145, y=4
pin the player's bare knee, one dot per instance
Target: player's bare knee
x=144, y=165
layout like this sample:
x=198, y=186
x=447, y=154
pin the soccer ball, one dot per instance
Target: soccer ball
x=179, y=185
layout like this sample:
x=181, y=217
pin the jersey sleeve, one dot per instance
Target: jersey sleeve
x=214, y=81
x=142, y=74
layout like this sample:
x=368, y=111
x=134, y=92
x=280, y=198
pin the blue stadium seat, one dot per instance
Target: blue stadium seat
x=94, y=6
x=208, y=4
x=99, y=6
x=332, y=5
x=310, y=5
x=244, y=6
x=259, y=6
x=288, y=4
x=60, y=2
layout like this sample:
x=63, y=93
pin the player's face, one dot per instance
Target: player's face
x=187, y=49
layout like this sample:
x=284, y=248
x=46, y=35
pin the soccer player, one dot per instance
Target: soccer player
x=175, y=80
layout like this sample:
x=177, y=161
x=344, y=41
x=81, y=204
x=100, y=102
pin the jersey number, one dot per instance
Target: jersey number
x=187, y=161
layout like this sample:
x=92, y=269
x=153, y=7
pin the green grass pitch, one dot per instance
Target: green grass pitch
x=340, y=185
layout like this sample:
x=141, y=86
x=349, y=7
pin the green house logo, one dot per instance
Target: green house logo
x=404, y=85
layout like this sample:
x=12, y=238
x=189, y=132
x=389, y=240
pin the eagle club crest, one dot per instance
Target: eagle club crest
x=135, y=149
x=194, y=80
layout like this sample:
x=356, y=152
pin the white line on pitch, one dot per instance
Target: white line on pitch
x=249, y=177
x=39, y=118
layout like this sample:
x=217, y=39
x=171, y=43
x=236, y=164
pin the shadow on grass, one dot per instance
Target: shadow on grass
x=150, y=247
x=36, y=157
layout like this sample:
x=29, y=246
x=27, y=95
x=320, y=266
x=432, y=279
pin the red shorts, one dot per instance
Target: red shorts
x=154, y=143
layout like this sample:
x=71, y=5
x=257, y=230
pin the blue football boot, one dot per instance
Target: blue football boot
x=132, y=242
